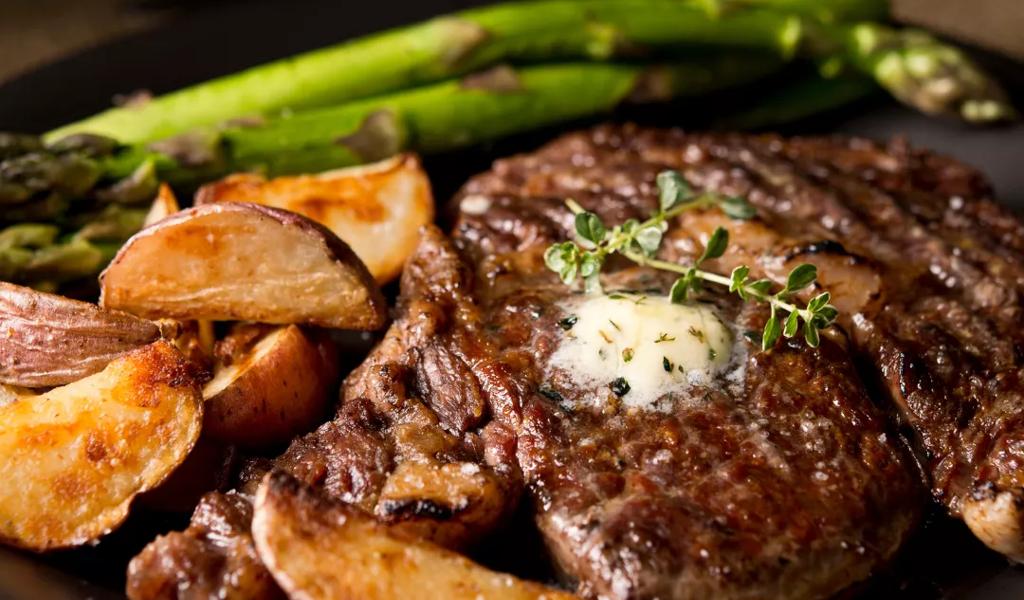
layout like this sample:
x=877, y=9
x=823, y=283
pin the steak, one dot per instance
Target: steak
x=778, y=475
x=785, y=484
x=926, y=268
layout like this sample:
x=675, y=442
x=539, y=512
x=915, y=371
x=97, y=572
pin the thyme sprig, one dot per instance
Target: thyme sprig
x=639, y=242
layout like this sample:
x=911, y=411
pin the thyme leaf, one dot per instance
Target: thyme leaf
x=640, y=241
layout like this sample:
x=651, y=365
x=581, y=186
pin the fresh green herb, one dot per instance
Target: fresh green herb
x=697, y=333
x=666, y=364
x=627, y=354
x=567, y=323
x=615, y=325
x=639, y=242
x=737, y=208
x=712, y=355
x=664, y=337
x=620, y=387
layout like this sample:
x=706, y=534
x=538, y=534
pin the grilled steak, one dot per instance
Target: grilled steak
x=775, y=475
x=926, y=267
x=782, y=484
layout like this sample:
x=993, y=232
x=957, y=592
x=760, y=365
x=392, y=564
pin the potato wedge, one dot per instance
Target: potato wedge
x=164, y=205
x=48, y=340
x=243, y=262
x=320, y=549
x=274, y=389
x=377, y=209
x=72, y=459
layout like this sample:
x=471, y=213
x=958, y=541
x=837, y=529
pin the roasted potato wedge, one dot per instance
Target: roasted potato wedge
x=164, y=205
x=48, y=340
x=377, y=209
x=72, y=459
x=243, y=262
x=321, y=549
x=270, y=388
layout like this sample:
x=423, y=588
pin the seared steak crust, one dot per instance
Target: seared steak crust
x=213, y=558
x=789, y=488
x=937, y=267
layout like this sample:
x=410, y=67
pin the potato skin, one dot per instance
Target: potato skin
x=387, y=200
x=49, y=340
x=280, y=388
x=243, y=262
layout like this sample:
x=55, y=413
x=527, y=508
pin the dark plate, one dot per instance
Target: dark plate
x=944, y=561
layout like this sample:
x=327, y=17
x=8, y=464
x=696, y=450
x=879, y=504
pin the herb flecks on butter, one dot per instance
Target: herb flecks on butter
x=639, y=242
x=595, y=355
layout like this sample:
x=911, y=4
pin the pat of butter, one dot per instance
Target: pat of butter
x=657, y=347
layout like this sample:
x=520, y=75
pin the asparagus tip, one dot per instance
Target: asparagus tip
x=934, y=77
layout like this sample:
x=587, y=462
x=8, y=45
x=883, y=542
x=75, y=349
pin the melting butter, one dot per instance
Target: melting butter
x=657, y=347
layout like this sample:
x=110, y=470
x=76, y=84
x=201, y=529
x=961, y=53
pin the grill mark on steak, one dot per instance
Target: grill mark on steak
x=944, y=332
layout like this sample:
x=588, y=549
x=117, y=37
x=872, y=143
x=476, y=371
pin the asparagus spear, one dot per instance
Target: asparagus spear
x=478, y=108
x=922, y=71
x=538, y=30
x=56, y=184
x=443, y=116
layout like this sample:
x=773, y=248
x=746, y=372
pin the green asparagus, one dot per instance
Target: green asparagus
x=83, y=220
x=443, y=116
x=552, y=30
x=484, y=107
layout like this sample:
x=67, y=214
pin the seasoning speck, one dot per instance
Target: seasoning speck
x=620, y=387
x=627, y=354
x=567, y=323
x=666, y=364
x=548, y=392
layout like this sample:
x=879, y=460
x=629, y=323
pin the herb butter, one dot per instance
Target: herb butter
x=656, y=347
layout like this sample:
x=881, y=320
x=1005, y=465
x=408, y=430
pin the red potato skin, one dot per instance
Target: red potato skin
x=283, y=394
x=48, y=340
x=372, y=318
